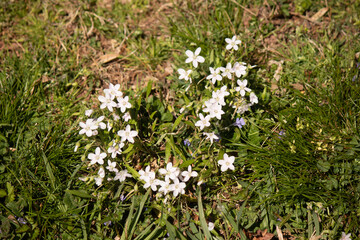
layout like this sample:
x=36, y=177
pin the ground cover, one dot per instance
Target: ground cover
x=288, y=168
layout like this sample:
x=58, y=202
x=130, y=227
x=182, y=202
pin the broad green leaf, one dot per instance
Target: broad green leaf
x=79, y=193
x=148, y=88
x=177, y=122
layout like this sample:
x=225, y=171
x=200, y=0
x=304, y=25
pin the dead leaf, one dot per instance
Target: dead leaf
x=298, y=86
x=319, y=14
x=279, y=233
x=357, y=55
x=108, y=58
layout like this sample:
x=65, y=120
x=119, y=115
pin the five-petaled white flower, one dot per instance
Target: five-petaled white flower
x=123, y=103
x=345, y=236
x=126, y=117
x=232, y=43
x=177, y=187
x=127, y=134
x=242, y=87
x=194, y=57
x=184, y=74
x=203, y=122
x=227, y=71
x=98, y=157
x=114, y=90
x=88, y=127
x=227, y=163
x=107, y=101
x=122, y=175
x=88, y=112
x=165, y=187
x=152, y=182
x=214, y=75
x=100, y=178
x=170, y=172
x=147, y=174
x=211, y=136
x=239, y=69
x=253, y=98
x=188, y=174
x=112, y=166
x=115, y=149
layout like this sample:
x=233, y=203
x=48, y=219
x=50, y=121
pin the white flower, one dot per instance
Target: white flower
x=101, y=172
x=114, y=90
x=147, y=174
x=188, y=174
x=76, y=147
x=227, y=163
x=100, y=178
x=100, y=123
x=88, y=127
x=218, y=97
x=115, y=149
x=177, y=187
x=211, y=136
x=194, y=57
x=203, y=122
x=239, y=69
x=165, y=187
x=253, y=98
x=170, y=172
x=184, y=74
x=112, y=166
x=98, y=157
x=108, y=126
x=215, y=111
x=127, y=134
x=215, y=75
x=345, y=236
x=152, y=182
x=211, y=226
x=122, y=175
x=123, y=103
x=228, y=71
x=232, y=43
x=126, y=117
x=88, y=112
x=116, y=117
x=98, y=181
x=107, y=101
x=222, y=92
x=242, y=87
x=241, y=105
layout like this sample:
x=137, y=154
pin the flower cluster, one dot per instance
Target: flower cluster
x=218, y=105
x=173, y=179
x=115, y=102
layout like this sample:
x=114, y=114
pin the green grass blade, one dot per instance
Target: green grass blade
x=49, y=170
x=202, y=217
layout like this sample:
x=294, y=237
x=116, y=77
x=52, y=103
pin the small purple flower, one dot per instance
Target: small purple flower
x=219, y=138
x=187, y=142
x=239, y=122
x=122, y=197
x=281, y=133
x=21, y=221
x=108, y=223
